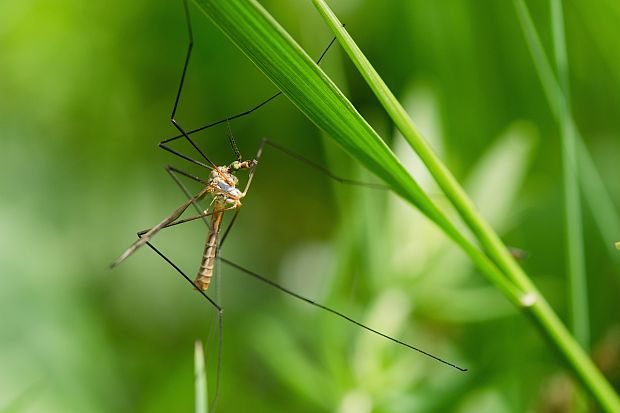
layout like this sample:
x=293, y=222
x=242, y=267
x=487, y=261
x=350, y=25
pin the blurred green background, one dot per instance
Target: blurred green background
x=86, y=91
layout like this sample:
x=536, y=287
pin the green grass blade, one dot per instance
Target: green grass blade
x=291, y=69
x=283, y=61
x=575, y=255
x=596, y=195
x=201, y=404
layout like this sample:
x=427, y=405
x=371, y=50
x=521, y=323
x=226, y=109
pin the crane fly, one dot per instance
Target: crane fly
x=221, y=186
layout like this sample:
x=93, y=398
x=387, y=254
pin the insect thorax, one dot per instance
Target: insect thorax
x=223, y=186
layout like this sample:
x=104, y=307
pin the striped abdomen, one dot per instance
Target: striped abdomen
x=208, y=258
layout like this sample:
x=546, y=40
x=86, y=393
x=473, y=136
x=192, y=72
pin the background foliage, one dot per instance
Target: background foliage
x=87, y=90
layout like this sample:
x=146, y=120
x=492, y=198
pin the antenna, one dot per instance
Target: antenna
x=232, y=141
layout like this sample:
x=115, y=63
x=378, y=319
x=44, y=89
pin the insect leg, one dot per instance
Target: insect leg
x=175, y=123
x=172, y=171
x=188, y=55
x=257, y=157
x=322, y=169
x=230, y=224
x=335, y=312
x=220, y=317
x=186, y=134
x=203, y=214
x=154, y=230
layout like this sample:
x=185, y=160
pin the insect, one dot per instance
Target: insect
x=222, y=188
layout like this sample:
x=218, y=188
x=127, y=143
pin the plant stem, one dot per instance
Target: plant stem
x=591, y=378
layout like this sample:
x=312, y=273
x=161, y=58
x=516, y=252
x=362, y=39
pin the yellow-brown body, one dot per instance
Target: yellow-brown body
x=222, y=185
x=205, y=273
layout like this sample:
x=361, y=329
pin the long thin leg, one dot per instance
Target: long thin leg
x=171, y=170
x=202, y=214
x=220, y=316
x=324, y=170
x=153, y=231
x=175, y=123
x=188, y=54
x=195, y=178
x=230, y=225
x=186, y=134
x=339, y=314
x=189, y=219
x=257, y=157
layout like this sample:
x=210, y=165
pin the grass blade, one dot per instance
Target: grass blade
x=200, y=379
x=575, y=256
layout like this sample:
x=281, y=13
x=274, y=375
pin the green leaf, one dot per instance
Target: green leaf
x=283, y=61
